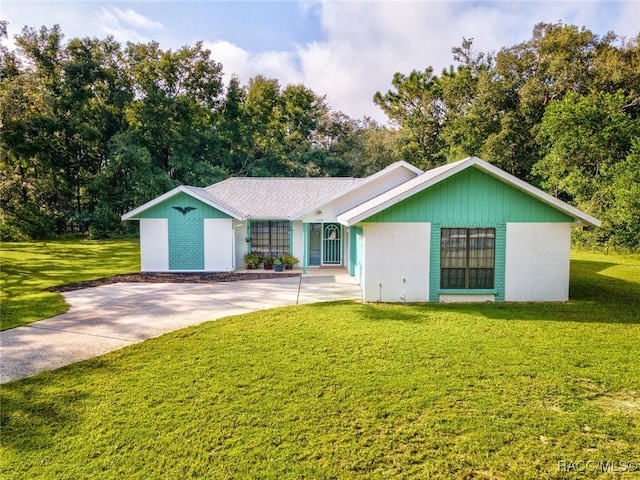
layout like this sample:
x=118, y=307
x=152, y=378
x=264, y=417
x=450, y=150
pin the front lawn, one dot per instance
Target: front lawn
x=29, y=268
x=345, y=390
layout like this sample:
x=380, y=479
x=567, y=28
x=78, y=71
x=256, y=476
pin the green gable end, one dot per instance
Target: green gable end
x=185, y=217
x=470, y=198
x=182, y=200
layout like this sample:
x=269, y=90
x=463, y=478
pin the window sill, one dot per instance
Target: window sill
x=468, y=291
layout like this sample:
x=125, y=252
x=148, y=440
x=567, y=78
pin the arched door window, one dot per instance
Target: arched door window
x=332, y=244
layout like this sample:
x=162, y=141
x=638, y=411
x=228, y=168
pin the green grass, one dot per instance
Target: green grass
x=27, y=269
x=346, y=390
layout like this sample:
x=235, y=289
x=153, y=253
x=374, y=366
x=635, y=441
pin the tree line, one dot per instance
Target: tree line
x=91, y=128
x=560, y=110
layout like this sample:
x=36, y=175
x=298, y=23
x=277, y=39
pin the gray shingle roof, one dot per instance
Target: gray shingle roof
x=276, y=197
x=213, y=201
x=272, y=198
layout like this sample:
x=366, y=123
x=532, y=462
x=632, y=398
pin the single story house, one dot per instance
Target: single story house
x=465, y=231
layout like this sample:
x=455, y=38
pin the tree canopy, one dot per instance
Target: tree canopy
x=91, y=128
x=560, y=110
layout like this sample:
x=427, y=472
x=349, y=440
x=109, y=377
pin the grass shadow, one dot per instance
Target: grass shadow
x=29, y=268
x=596, y=296
x=34, y=408
x=25, y=411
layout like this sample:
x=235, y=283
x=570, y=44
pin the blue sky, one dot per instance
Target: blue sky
x=344, y=49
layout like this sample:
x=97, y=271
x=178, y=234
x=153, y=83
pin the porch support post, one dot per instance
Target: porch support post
x=290, y=237
x=248, y=235
x=305, y=246
x=353, y=250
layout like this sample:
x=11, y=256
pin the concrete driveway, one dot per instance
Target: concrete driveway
x=110, y=317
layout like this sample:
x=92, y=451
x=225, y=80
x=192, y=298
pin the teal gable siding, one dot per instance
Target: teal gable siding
x=470, y=198
x=355, y=249
x=186, y=231
x=186, y=244
x=165, y=209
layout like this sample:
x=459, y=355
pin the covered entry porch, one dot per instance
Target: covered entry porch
x=325, y=245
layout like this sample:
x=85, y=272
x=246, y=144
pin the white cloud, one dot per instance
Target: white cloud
x=136, y=20
x=237, y=61
x=365, y=43
x=234, y=59
x=127, y=25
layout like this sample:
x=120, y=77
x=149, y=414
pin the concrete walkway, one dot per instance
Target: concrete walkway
x=110, y=317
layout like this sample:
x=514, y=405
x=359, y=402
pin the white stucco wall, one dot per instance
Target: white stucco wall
x=297, y=248
x=537, y=262
x=396, y=257
x=239, y=241
x=218, y=244
x=346, y=246
x=154, y=244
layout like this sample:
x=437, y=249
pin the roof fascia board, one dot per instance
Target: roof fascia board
x=402, y=163
x=152, y=203
x=488, y=168
x=536, y=192
x=367, y=180
x=172, y=193
x=344, y=218
x=215, y=205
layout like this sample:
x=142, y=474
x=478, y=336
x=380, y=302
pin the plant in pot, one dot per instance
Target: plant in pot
x=289, y=260
x=267, y=263
x=278, y=266
x=251, y=260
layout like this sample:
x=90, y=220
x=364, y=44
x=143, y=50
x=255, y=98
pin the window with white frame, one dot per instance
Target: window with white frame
x=467, y=258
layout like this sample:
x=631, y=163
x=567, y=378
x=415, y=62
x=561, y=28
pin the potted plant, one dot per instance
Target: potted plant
x=278, y=266
x=251, y=260
x=267, y=263
x=289, y=260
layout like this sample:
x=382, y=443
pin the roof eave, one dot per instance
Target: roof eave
x=488, y=168
x=133, y=214
x=348, y=221
x=301, y=213
x=216, y=205
x=578, y=215
x=366, y=180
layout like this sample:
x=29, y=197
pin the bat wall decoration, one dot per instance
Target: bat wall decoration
x=184, y=210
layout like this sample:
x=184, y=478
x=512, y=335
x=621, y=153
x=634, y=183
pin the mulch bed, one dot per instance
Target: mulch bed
x=205, y=277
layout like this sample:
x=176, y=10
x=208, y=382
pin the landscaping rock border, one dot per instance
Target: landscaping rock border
x=162, y=277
